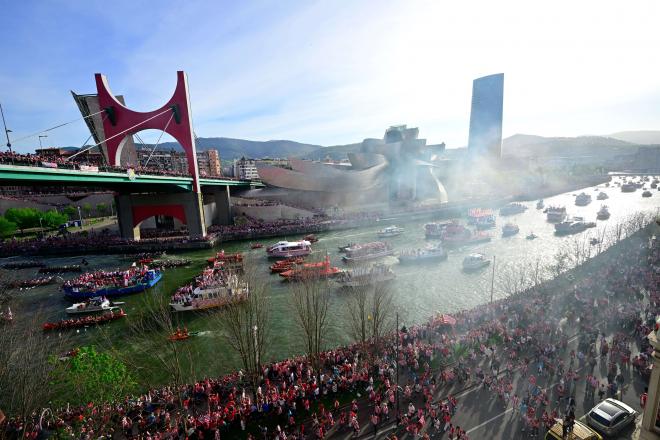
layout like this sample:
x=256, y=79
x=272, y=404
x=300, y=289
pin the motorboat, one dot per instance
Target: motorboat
x=430, y=253
x=582, y=199
x=540, y=204
x=436, y=229
x=647, y=193
x=61, y=269
x=475, y=262
x=510, y=229
x=283, y=265
x=342, y=249
x=171, y=263
x=486, y=222
x=311, y=238
x=476, y=215
x=602, y=196
x=513, y=208
x=556, y=214
x=531, y=236
x=628, y=187
x=362, y=277
x=288, y=249
x=456, y=234
x=603, y=213
x=256, y=245
x=570, y=227
x=181, y=335
x=390, y=231
x=111, y=284
x=312, y=271
x=367, y=251
x=94, y=305
x=214, y=288
x=231, y=261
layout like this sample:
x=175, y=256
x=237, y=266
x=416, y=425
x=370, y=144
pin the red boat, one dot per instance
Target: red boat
x=311, y=238
x=230, y=261
x=315, y=271
x=284, y=265
x=256, y=245
x=66, y=324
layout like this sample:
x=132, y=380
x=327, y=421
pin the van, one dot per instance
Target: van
x=580, y=432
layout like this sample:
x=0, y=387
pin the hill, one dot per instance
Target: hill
x=644, y=137
x=524, y=145
x=230, y=148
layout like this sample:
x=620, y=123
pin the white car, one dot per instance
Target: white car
x=610, y=416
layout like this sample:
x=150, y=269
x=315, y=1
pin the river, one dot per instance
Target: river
x=419, y=290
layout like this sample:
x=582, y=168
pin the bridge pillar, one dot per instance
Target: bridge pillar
x=132, y=209
x=222, y=205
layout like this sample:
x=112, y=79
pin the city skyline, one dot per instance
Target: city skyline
x=322, y=75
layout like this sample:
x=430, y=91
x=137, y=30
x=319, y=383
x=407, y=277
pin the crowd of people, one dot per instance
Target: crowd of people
x=91, y=281
x=611, y=306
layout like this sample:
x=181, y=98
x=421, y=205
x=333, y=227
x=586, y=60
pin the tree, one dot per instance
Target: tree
x=70, y=211
x=102, y=209
x=24, y=218
x=91, y=376
x=7, y=228
x=311, y=300
x=87, y=209
x=53, y=219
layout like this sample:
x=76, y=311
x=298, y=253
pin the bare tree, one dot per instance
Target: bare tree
x=382, y=311
x=311, y=301
x=357, y=309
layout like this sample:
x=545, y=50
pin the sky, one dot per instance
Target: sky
x=334, y=72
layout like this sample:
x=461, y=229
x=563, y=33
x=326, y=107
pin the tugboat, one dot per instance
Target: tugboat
x=431, y=253
x=390, y=231
x=510, y=229
x=540, y=204
x=603, y=213
x=94, y=305
x=513, y=208
x=313, y=271
x=288, y=249
x=583, y=199
x=647, y=193
x=111, y=284
x=602, y=196
x=456, y=234
x=361, y=277
x=215, y=287
x=233, y=261
x=367, y=251
x=556, y=214
x=283, y=265
x=475, y=262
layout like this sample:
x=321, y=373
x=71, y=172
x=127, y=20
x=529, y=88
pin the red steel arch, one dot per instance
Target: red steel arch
x=120, y=118
x=141, y=213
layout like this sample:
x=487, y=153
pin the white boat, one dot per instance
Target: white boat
x=390, y=231
x=531, y=236
x=602, y=196
x=378, y=273
x=94, y=305
x=556, y=214
x=540, y=204
x=475, y=262
x=367, y=251
x=582, y=199
x=570, y=227
x=512, y=209
x=288, y=249
x=603, y=213
x=510, y=229
x=420, y=255
x=222, y=291
x=628, y=187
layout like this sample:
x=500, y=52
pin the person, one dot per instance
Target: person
x=2, y=417
x=642, y=399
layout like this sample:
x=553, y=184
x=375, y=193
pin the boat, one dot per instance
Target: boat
x=288, y=249
x=456, y=234
x=540, y=204
x=311, y=238
x=474, y=215
x=570, y=227
x=111, y=284
x=367, y=251
x=94, y=305
x=231, y=261
x=531, y=236
x=602, y=196
x=594, y=241
x=283, y=265
x=215, y=287
x=312, y=271
x=390, y=231
x=35, y=282
x=23, y=265
x=603, y=213
x=362, y=277
x=435, y=230
x=342, y=249
x=510, y=229
x=6, y=317
x=647, y=193
x=628, y=187
x=487, y=222
x=87, y=321
x=181, y=335
x=582, y=199
x=556, y=214
x=61, y=269
x=513, y=209
x=256, y=245
x=475, y=262
x=431, y=253
x=170, y=263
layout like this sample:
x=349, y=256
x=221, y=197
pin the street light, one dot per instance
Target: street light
x=42, y=136
x=7, y=131
x=256, y=345
x=41, y=225
x=79, y=216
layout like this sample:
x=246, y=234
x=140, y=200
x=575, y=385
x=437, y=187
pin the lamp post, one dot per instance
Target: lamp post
x=80, y=216
x=492, y=281
x=256, y=355
x=41, y=225
x=398, y=414
x=7, y=131
x=42, y=136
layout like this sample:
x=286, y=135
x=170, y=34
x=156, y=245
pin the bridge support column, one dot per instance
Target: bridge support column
x=132, y=209
x=222, y=205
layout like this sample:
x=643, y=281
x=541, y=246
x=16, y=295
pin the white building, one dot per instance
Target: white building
x=245, y=169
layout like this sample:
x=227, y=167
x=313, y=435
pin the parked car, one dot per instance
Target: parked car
x=580, y=432
x=610, y=416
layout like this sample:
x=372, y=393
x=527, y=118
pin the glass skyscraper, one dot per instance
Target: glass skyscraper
x=486, y=117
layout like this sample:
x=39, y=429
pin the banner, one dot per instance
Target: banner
x=89, y=168
x=49, y=164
